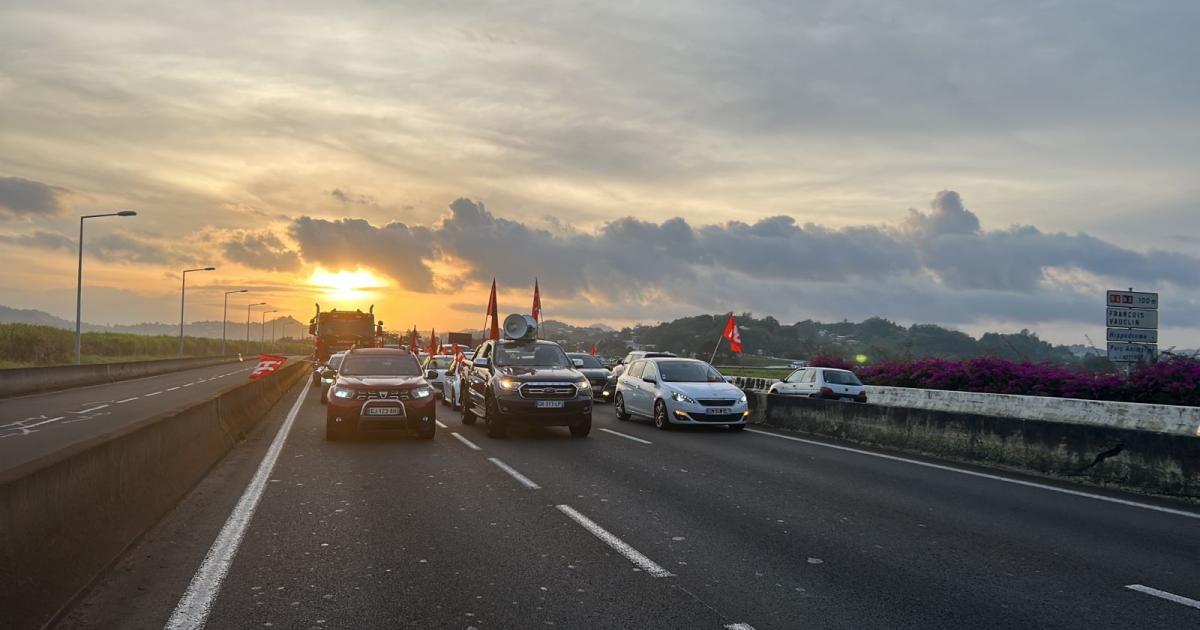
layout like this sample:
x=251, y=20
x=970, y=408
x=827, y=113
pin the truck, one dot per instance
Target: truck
x=335, y=331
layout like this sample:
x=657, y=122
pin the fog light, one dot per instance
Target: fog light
x=680, y=414
x=745, y=413
x=424, y=418
x=337, y=419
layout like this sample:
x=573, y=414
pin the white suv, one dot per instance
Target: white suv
x=819, y=382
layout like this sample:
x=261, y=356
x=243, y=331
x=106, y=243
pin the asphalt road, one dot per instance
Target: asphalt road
x=37, y=425
x=638, y=528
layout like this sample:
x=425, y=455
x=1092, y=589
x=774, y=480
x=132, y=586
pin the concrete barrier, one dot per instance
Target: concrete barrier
x=21, y=381
x=68, y=516
x=1150, y=461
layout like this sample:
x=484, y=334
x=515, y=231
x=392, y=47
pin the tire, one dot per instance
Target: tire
x=619, y=408
x=737, y=427
x=660, y=416
x=333, y=433
x=428, y=433
x=497, y=424
x=582, y=428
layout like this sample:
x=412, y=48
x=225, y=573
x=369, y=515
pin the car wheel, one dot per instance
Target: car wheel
x=660, y=416
x=582, y=428
x=497, y=425
x=427, y=434
x=737, y=427
x=619, y=408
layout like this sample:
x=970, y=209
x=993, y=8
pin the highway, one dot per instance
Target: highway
x=37, y=425
x=638, y=528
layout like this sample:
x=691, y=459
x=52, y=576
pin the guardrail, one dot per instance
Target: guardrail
x=22, y=381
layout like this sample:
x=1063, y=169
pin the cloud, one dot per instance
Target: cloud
x=106, y=247
x=25, y=197
x=39, y=240
x=261, y=250
x=395, y=249
x=350, y=198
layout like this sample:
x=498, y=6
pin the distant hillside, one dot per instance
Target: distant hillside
x=284, y=326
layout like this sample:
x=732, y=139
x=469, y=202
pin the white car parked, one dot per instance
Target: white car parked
x=452, y=383
x=673, y=391
x=819, y=382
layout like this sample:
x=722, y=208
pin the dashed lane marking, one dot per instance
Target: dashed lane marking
x=739, y=626
x=471, y=445
x=119, y=402
x=633, y=555
x=152, y=394
x=97, y=408
x=1171, y=597
x=512, y=472
x=626, y=436
x=440, y=425
x=171, y=389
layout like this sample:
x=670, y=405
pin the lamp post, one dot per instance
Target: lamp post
x=182, y=298
x=273, y=329
x=225, y=316
x=248, y=307
x=262, y=334
x=79, y=279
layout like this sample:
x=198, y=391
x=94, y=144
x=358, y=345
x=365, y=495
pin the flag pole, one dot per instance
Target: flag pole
x=719, y=339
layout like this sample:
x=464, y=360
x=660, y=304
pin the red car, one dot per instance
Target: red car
x=380, y=390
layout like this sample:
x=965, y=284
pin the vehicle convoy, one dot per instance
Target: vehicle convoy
x=341, y=330
x=435, y=370
x=380, y=389
x=523, y=380
x=819, y=382
x=610, y=388
x=328, y=373
x=452, y=381
x=594, y=370
x=674, y=391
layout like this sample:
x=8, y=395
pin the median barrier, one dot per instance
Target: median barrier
x=21, y=381
x=1154, y=461
x=68, y=516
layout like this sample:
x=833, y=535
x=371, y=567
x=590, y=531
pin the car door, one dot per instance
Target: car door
x=795, y=385
x=631, y=387
x=808, y=385
x=449, y=380
x=477, y=377
x=649, y=390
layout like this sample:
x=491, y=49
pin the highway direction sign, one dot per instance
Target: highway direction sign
x=1132, y=318
x=1132, y=299
x=1131, y=352
x=1130, y=335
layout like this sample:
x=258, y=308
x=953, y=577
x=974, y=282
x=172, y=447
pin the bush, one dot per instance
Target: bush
x=830, y=361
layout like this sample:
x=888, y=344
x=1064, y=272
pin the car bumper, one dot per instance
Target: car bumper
x=690, y=413
x=413, y=415
x=526, y=411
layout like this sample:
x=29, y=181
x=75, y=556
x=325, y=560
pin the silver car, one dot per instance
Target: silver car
x=820, y=382
x=435, y=370
x=673, y=391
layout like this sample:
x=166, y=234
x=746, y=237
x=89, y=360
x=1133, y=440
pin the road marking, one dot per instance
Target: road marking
x=187, y=384
x=525, y=481
x=171, y=389
x=92, y=409
x=739, y=626
x=440, y=425
x=471, y=445
x=193, y=608
x=618, y=545
x=1019, y=482
x=1171, y=597
x=153, y=394
x=126, y=400
x=626, y=436
x=18, y=425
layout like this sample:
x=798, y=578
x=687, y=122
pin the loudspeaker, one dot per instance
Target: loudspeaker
x=518, y=326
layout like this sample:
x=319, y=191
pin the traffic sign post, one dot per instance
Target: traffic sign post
x=1131, y=352
x=1132, y=319
x=1131, y=335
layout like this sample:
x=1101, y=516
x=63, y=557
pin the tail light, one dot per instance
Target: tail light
x=826, y=391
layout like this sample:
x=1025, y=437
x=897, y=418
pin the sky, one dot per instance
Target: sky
x=985, y=166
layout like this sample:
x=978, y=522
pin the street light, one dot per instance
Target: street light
x=273, y=329
x=248, y=307
x=225, y=316
x=79, y=278
x=182, y=296
x=262, y=334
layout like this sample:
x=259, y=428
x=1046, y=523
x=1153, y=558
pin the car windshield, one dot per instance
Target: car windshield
x=439, y=363
x=838, y=377
x=336, y=360
x=688, y=372
x=381, y=365
x=547, y=355
x=589, y=362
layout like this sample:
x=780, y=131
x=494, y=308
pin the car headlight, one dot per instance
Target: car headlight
x=742, y=399
x=683, y=398
x=342, y=392
x=326, y=379
x=508, y=382
x=583, y=383
x=421, y=392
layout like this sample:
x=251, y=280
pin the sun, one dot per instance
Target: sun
x=345, y=286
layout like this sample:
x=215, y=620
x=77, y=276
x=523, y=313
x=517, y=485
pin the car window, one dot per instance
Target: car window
x=589, y=362
x=689, y=372
x=810, y=376
x=651, y=371
x=484, y=351
x=635, y=370
x=336, y=360
x=438, y=363
x=795, y=377
x=838, y=377
x=453, y=369
x=547, y=355
x=381, y=365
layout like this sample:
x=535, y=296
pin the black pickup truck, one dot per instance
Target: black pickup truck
x=526, y=381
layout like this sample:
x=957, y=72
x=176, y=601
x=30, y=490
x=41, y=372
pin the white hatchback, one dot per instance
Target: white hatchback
x=673, y=391
x=819, y=382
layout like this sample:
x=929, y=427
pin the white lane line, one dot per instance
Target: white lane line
x=1019, y=482
x=440, y=425
x=471, y=445
x=618, y=545
x=626, y=436
x=739, y=626
x=171, y=389
x=97, y=408
x=193, y=608
x=525, y=481
x=187, y=384
x=153, y=394
x=18, y=425
x=127, y=400
x=1171, y=597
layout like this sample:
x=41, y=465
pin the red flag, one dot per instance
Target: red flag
x=492, y=309
x=593, y=349
x=536, y=311
x=458, y=354
x=413, y=345
x=733, y=335
x=267, y=364
x=433, y=342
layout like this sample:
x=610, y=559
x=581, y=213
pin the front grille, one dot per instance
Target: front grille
x=382, y=394
x=715, y=402
x=548, y=391
x=715, y=417
x=384, y=425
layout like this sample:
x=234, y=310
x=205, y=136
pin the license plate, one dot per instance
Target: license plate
x=718, y=411
x=383, y=411
x=548, y=404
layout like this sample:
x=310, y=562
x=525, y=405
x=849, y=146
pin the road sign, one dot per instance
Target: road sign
x=1132, y=299
x=1131, y=352
x=1130, y=335
x=1132, y=318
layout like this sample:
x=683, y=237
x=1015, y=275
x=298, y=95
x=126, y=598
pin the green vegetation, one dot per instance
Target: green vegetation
x=25, y=345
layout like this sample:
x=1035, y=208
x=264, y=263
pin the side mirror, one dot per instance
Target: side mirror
x=650, y=379
x=481, y=362
x=431, y=374
x=577, y=362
